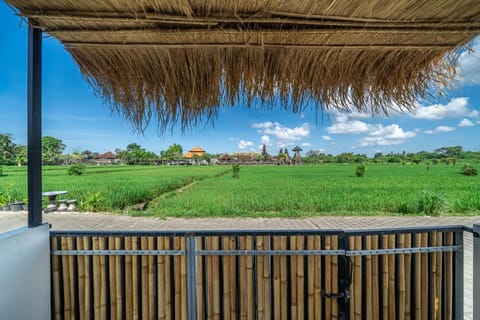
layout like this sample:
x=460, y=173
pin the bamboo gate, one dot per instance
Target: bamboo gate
x=412, y=273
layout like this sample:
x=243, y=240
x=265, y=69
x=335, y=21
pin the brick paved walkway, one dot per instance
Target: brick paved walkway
x=89, y=221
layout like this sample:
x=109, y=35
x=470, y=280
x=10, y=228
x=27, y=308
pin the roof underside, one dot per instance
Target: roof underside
x=179, y=60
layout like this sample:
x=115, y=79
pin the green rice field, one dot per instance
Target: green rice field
x=262, y=191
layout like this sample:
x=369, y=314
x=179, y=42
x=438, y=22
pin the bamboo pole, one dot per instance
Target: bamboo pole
x=177, y=287
x=408, y=272
x=183, y=280
x=403, y=278
x=418, y=278
x=97, y=280
x=200, y=280
x=118, y=275
x=266, y=278
x=335, y=277
x=71, y=278
x=311, y=278
x=216, y=281
x=144, y=277
x=81, y=279
x=234, y=291
x=103, y=277
x=293, y=280
x=243, y=280
x=439, y=279
x=368, y=280
x=168, y=280
x=318, y=279
x=210, y=280
x=250, y=302
x=357, y=263
x=135, y=307
x=276, y=279
x=449, y=275
x=283, y=280
x=67, y=305
x=375, y=279
x=151, y=280
x=425, y=282
x=351, y=247
x=433, y=277
x=112, y=275
x=128, y=280
x=260, y=282
x=226, y=298
x=161, y=275
x=88, y=276
x=391, y=279
x=328, y=277
x=56, y=280
x=300, y=281
x=385, y=282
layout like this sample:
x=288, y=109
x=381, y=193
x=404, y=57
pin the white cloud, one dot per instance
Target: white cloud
x=327, y=138
x=244, y=144
x=386, y=136
x=231, y=139
x=455, y=108
x=440, y=129
x=285, y=136
x=263, y=125
x=391, y=132
x=266, y=140
x=306, y=144
x=349, y=127
x=466, y=123
x=469, y=65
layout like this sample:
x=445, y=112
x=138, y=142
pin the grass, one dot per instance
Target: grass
x=326, y=190
x=263, y=191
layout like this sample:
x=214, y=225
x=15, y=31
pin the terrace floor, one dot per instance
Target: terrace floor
x=103, y=221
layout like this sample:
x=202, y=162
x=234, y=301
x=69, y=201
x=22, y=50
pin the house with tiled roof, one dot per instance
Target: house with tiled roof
x=195, y=151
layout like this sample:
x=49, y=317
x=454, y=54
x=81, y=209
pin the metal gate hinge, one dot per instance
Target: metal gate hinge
x=341, y=295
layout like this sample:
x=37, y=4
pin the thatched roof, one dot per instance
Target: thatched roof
x=179, y=60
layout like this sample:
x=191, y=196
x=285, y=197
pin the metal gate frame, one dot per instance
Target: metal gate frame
x=344, y=253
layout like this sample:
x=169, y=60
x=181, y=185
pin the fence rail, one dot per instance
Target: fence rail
x=409, y=273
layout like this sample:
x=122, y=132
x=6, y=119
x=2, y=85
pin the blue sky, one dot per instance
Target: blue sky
x=72, y=113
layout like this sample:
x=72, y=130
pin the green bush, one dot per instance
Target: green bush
x=1, y=171
x=94, y=201
x=236, y=171
x=76, y=169
x=469, y=170
x=432, y=204
x=360, y=171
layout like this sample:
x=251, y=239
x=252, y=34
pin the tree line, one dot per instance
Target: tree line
x=134, y=154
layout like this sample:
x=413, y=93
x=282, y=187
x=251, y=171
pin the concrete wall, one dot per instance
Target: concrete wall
x=25, y=274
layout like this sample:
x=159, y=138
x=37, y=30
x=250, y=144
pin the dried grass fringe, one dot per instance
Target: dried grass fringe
x=188, y=86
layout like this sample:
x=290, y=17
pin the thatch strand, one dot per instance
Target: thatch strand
x=178, y=61
x=188, y=85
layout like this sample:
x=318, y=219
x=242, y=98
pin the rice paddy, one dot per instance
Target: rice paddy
x=262, y=191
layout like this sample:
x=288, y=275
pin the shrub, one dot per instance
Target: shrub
x=1, y=171
x=432, y=204
x=469, y=170
x=360, y=171
x=76, y=169
x=94, y=201
x=236, y=171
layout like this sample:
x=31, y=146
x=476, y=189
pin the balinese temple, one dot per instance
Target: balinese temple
x=196, y=151
x=297, y=159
